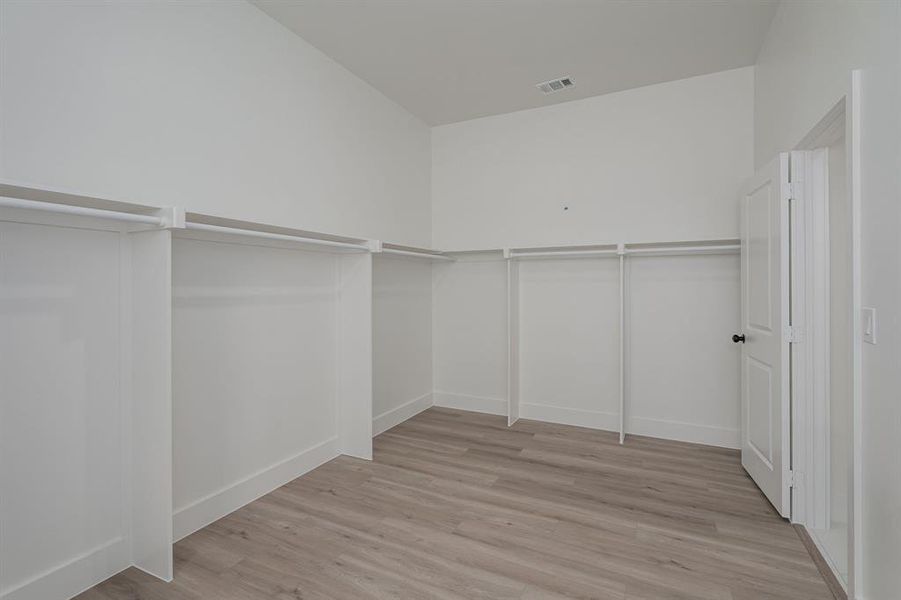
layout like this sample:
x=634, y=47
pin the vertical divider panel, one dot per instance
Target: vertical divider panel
x=620, y=250
x=151, y=401
x=355, y=355
x=512, y=340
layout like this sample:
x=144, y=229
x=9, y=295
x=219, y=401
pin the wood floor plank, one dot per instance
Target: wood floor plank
x=455, y=505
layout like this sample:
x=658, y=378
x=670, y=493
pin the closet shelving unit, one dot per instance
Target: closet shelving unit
x=308, y=290
x=138, y=242
x=232, y=227
x=107, y=262
x=143, y=325
x=16, y=195
x=499, y=252
x=620, y=251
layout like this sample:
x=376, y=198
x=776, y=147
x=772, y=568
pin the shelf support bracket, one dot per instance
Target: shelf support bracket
x=172, y=217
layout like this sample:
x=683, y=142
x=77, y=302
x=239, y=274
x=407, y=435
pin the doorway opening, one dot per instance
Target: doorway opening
x=824, y=305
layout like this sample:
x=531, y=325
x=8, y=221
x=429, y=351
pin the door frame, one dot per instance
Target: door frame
x=810, y=312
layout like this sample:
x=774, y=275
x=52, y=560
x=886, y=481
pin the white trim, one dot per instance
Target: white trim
x=592, y=419
x=827, y=558
x=200, y=513
x=397, y=415
x=810, y=310
x=76, y=575
x=785, y=316
x=855, y=506
x=842, y=119
x=491, y=406
x=710, y=435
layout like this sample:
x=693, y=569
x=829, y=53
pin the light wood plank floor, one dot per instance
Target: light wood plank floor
x=456, y=505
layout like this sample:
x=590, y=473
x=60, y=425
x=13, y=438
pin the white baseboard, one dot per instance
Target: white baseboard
x=492, y=406
x=824, y=554
x=685, y=432
x=75, y=576
x=399, y=414
x=204, y=511
x=668, y=430
x=570, y=416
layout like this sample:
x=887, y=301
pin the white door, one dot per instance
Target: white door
x=765, y=439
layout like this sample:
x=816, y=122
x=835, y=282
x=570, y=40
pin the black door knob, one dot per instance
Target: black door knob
x=738, y=338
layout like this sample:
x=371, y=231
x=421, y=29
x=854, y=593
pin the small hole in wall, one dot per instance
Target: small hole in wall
x=565, y=208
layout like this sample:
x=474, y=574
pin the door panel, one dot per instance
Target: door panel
x=765, y=317
x=760, y=413
x=759, y=237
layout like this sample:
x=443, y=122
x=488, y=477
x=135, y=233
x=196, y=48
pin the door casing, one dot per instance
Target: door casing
x=810, y=313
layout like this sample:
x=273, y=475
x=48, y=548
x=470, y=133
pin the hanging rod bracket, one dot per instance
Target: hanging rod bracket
x=620, y=249
x=375, y=246
x=508, y=253
x=172, y=217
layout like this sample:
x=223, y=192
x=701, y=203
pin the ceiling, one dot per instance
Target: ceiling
x=452, y=60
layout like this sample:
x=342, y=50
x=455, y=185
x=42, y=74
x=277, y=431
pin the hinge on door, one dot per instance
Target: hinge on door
x=794, y=190
x=792, y=334
x=795, y=478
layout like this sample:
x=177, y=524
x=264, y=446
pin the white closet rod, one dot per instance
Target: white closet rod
x=275, y=236
x=685, y=250
x=672, y=251
x=425, y=255
x=564, y=253
x=80, y=211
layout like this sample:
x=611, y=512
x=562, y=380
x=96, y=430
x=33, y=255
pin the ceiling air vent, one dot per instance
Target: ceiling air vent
x=555, y=85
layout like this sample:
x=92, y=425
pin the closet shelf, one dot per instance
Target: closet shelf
x=415, y=252
x=20, y=196
x=684, y=248
x=346, y=246
x=16, y=195
x=668, y=248
x=562, y=253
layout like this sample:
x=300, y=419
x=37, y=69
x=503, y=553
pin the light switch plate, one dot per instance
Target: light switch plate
x=868, y=324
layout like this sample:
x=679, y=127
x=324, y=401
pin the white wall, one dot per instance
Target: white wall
x=682, y=376
x=683, y=369
x=469, y=326
x=212, y=106
x=402, y=339
x=569, y=341
x=254, y=372
x=803, y=70
x=658, y=163
x=661, y=162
